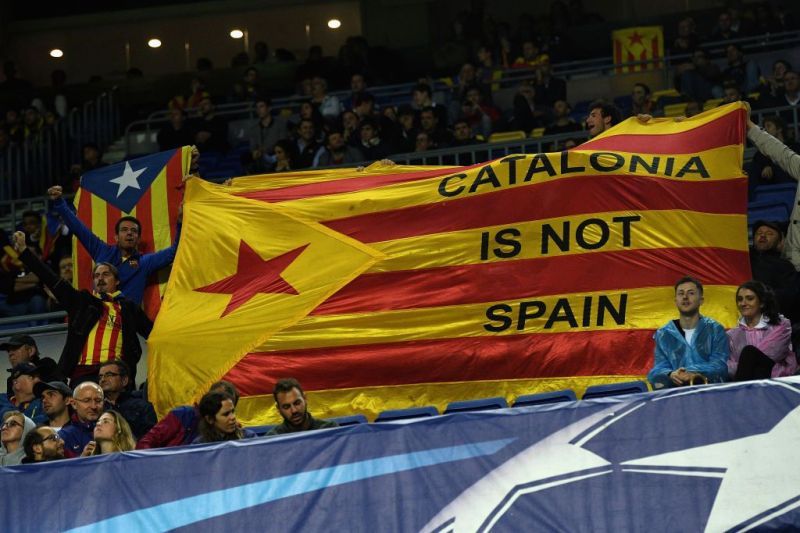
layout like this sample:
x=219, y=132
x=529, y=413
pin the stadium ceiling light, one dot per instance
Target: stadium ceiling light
x=237, y=33
x=56, y=52
x=334, y=24
x=154, y=43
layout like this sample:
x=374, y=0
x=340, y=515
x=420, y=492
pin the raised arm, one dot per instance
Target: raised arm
x=62, y=290
x=89, y=240
x=771, y=147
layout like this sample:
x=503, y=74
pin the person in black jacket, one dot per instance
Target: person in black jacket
x=138, y=412
x=102, y=326
x=23, y=349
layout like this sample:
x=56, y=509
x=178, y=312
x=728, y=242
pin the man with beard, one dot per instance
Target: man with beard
x=43, y=444
x=293, y=407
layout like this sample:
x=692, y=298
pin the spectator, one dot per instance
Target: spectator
x=423, y=142
x=42, y=444
x=308, y=111
x=336, y=152
x=358, y=85
x=210, y=130
x=23, y=349
x=761, y=344
x=55, y=397
x=763, y=170
x=406, y=139
x=34, y=125
x=462, y=134
x=692, y=348
x=115, y=382
x=429, y=123
x=562, y=122
x=641, y=104
x=264, y=133
x=422, y=98
x=723, y=30
x=176, y=133
x=700, y=80
x=328, y=105
x=731, y=92
x=531, y=57
x=92, y=159
x=687, y=40
x=372, y=147
x=21, y=289
x=486, y=66
x=548, y=88
x=112, y=434
x=526, y=115
x=87, y=402
x=250, y=84
x=134, y=268
x=790, y=95
x=218, y=419
x=480, y=115
x=351, y=127
x=292, y=404
x=773, y=85
x=306, y=143
x=261, y=51
x=180, y=425
x=770, y=268
x=466, y=79
x=364, y=105
x=602, y=117
x=90, y=317
x=744, y=72
x=15, y=428
x=23, y=378
x=285, y=156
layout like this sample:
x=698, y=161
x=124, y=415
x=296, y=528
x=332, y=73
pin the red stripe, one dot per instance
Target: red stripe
x=564, y=197
x=113, y=214
x=83, y=273
x=510, y=280
x=654, y=48
x=584, y=353
x=313, y=190
x=98, y=337
x=143, y=213
x=727, y=130
x=174, y=177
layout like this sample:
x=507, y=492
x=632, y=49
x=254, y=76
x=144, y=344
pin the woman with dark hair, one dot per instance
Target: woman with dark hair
x=218, y=419
x=285, y=156
x=761, y=345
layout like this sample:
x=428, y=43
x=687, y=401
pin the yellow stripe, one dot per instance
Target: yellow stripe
x=646, y=308
x=722, y=164
x=99, y=218
x=653, y=229
x=369, y=401
x=106, y=342
x=670, y=126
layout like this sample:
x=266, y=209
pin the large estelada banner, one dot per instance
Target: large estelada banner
x=400, y=286
x=708, y=458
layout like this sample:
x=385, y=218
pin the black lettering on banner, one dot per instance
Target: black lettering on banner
x=507, y=238
x=539, y=163
x=562, y=241
x=443, y=191
x=511, y=161
x=652, y=168
x=580, y=238
x=565, y=168
x=497, y=313
x=562, y=312
x=595, y=161
x=485, y=175
x=617, y=314
x=524, y=314
x=694, y=165
x=626, y=227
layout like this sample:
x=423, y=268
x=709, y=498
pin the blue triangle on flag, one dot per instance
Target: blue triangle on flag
x=124, y=183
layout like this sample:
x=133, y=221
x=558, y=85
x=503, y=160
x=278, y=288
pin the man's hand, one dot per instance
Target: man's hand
x=55, y=192
x=766, y=173
x=180, y=213
x=19, y=242
x=750, y=123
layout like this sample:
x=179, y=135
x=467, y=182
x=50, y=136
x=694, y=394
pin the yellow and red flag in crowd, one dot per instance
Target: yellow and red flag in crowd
x=153, y=198
x=529, y=273
x=643, y=43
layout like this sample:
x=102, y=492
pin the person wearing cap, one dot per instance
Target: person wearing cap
x=138, y=412
x=87, y=402
x=771, y=269
x=23, y=349
x=42, y=444
x=102, y=326
x=23, y=377
x=55, y=397
x=12, y=433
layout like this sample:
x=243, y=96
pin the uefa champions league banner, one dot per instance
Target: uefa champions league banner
x=708, y=458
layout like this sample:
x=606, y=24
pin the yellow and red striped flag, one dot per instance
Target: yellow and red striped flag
x=525, y=274
x=642, y=43
x=154, y=203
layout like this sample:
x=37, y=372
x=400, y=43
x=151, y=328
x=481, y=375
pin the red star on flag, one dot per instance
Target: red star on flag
x=636, y=38
x=254, y=276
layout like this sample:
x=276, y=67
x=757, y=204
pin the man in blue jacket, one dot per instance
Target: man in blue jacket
x=692, y=348
x=134, y=268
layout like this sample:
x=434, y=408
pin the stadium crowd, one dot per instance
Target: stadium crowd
x=87, y=402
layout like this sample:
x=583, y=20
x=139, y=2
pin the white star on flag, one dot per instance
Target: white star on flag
x=128, y=179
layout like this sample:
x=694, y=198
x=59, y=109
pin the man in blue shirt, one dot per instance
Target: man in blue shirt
x=134, y=268
x=692, y=348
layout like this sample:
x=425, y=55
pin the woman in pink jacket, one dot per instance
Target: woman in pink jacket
x=761, y=344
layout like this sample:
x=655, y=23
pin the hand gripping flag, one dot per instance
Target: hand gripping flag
x=244, y=270
x=530, y=273
x=149, y=188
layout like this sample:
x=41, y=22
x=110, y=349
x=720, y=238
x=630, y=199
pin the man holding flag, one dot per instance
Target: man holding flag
x=123, y=187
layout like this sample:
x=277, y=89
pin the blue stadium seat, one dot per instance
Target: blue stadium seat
x=614, y=389
x=769, y=210
x=566, y=395
x=402, y=414
x=780, y=193
x=482, y=404
x=261, y=430
x=351, y=420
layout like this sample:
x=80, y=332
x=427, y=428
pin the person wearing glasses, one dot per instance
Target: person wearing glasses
x=13, y=431
x=87, y=401
x=112, y=434
x=138, y=412
x=43, y=444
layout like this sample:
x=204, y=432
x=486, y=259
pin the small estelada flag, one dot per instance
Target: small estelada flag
x=642, y=43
